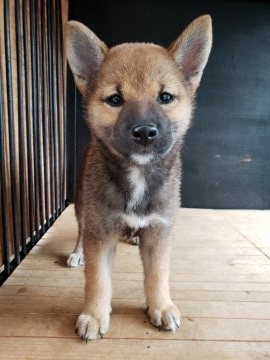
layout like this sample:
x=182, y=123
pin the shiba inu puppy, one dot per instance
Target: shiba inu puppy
x=138, y=99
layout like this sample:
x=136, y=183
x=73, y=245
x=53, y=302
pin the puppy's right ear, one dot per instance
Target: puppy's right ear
x=85, y=53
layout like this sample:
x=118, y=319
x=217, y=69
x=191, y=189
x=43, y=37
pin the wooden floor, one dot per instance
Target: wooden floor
x=220, y=279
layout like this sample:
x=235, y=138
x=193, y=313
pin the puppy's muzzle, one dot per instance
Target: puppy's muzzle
x=144, y=134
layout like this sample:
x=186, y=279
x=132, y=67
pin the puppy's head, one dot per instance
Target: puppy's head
x=138, y=96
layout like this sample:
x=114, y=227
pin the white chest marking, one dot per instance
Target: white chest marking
x=138, y=185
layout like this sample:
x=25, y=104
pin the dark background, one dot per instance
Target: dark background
x=226, y=153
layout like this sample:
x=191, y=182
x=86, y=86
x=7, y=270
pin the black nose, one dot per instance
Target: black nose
x=144, y=134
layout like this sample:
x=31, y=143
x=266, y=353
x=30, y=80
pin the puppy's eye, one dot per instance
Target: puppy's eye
x=115, y=100
x=165, y=98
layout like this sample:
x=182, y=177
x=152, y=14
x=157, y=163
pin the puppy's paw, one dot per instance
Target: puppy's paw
x=75, y=259
x=167, y=318
x=89, y=327
x=133, y=240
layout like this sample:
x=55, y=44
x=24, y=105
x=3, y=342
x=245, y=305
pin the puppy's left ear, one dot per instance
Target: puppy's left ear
x=191, y=49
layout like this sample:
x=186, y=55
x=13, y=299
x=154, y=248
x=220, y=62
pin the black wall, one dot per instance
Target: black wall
x=226, y=154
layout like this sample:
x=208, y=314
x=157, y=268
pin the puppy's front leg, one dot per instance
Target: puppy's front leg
x=155, y=250
x=95, y=318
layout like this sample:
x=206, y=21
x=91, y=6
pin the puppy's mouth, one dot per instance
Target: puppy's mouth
x=141, y=138
x=142, y=159
x=142, y=154
x=147, y=155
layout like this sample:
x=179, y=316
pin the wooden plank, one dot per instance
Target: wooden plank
x=74, y=274
x=135, y=285
x=74, y=291
x=179, y=252
x=179, y=248
x=266, y=250
x=189, y=308
x=223, y=293
x=70, y=349
x=236, y=266
x=130, y=326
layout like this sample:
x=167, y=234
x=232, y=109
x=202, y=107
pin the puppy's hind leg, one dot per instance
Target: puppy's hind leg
x=76, y=258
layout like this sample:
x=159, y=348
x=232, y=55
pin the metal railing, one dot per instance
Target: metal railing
x=32, y=125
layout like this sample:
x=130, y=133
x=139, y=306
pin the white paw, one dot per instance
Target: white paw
x=89, y=327
x=133, y=240
x=168, y=318
x=75, y=259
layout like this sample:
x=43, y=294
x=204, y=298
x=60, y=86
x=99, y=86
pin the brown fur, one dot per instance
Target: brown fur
x=129, y=183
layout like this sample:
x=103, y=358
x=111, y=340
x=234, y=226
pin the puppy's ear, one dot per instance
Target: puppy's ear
x=85, y=53
x=191, y=49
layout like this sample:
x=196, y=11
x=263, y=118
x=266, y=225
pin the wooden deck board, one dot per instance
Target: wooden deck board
x=220, y=279
x=143, y=349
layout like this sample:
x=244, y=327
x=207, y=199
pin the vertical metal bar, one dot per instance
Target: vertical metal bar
x=39, y=121
x=30, y=174
x=20, y=124
x=15, y=215
x=58, y=117
x=56, y=107
x=59, y=81
x=62, y=90
x=3, y=186
x=35, y=116
x=55, y=103
x=44, y=107
x=52, y=108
